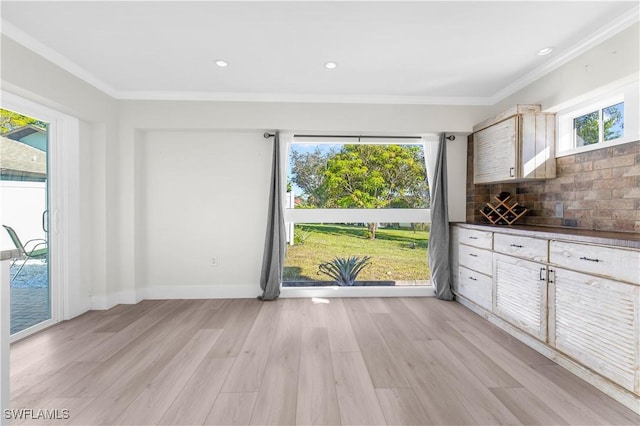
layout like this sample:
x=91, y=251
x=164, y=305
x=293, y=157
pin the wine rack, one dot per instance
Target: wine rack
x=503, y=213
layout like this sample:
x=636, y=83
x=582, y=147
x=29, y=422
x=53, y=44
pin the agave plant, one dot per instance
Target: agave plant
x=344, y=270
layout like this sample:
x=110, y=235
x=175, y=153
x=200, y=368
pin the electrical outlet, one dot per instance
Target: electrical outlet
x=214, y=261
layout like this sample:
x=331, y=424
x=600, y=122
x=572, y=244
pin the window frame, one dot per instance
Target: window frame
x=292, y=216
x=624, y=90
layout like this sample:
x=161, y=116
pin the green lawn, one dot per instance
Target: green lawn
x=396, y=254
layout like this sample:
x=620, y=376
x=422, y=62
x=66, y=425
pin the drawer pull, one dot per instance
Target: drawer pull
x=472, y=279
x=512, y=172
x=516, y=246
x=541, y=271
x=589, y=259
x=473, y=255
x=473, y=238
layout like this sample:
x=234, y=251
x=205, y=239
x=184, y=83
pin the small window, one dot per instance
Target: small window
x=604, y=117
x=605, y=124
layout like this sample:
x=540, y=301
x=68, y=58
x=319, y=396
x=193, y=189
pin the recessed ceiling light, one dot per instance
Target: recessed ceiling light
x=221, y=63
x=545, y=51
x=330, y=65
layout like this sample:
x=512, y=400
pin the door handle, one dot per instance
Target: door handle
x=512, y=171
x=541, y=271
x=45, y=215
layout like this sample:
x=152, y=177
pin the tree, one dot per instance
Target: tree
x=308, y=171
x=588, y=126
x=376, y=176
x=10, y=120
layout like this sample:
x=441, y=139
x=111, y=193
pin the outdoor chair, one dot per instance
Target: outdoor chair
x=32, y=249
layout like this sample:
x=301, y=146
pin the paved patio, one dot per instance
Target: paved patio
x=29, y=296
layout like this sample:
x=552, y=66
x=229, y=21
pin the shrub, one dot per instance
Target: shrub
x=344, y=270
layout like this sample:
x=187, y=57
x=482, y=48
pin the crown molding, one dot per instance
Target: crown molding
x=56, y=58
x=301, y=98
x=603, y=33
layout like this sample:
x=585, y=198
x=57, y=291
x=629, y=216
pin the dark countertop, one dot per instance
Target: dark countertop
x=619, y=239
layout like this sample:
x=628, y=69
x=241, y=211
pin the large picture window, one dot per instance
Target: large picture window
x=357, y=199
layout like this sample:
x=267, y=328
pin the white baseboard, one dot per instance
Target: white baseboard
x=250, y=291
x=241, y=291
x=108, y=301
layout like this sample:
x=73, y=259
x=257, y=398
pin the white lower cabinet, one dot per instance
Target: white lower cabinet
x=595, y=321
x=580, y=300
x=521, y=294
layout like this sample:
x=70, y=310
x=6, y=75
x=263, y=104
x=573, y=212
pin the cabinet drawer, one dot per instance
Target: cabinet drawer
x=595, y=321
x=475, y=287
x=521, y=294
x=617, y=263
x=476, y=259
x=525, y=247
x=476, y=238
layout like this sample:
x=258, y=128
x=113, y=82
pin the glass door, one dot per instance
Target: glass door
x=24, y=217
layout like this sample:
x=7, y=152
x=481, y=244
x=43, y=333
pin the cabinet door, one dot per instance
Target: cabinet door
x=494, y=152
x=521, y=294
x=595, y=321
x=537, y=146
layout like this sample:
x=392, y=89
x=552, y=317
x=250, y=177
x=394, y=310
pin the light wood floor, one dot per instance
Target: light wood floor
x=347, y=361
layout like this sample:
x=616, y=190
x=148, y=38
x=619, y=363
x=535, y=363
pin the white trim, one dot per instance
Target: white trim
x=302, y=98
x=5, y=331
x=104, y=302
x=31, y=330
x=357, y=215
x=368, y=291
x=58, y=59
x=63, y=204
x=238, y=291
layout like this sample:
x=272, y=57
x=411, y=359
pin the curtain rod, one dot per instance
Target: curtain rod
x=270, y=135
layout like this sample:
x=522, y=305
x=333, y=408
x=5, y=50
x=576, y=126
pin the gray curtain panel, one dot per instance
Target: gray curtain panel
x=275, y=244
x=439, y=237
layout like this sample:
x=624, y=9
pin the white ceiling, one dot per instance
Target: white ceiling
x=415, y=52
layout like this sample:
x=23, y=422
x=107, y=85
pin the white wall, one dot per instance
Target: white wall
x=210, y=126
x=22, y=206
x=205, y=195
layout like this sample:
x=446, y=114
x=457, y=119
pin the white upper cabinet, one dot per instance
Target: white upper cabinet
x=515, y=147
